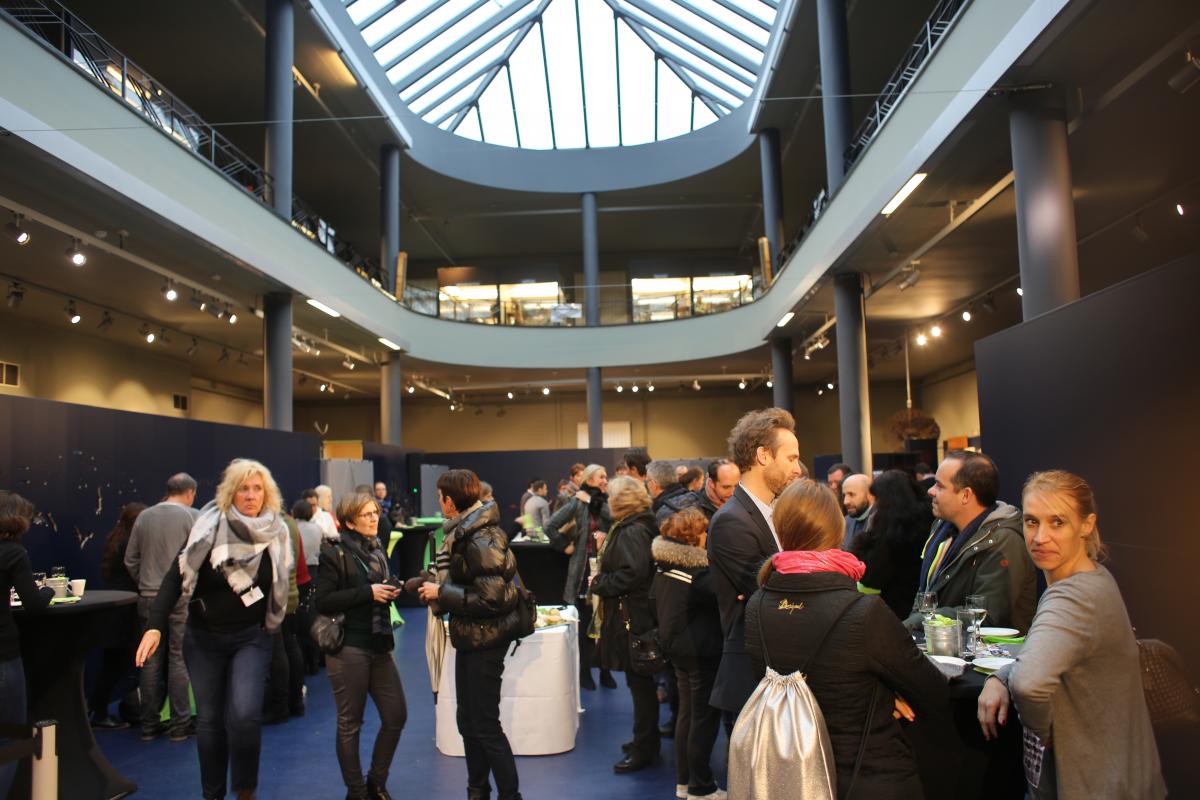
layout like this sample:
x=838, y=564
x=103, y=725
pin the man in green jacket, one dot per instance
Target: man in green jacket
x=976, y=546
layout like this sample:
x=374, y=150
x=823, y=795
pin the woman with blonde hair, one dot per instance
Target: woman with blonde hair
x=857, y=658
x=233, y=571
x=1076, y=683
x=626, y=569
x=576, y=529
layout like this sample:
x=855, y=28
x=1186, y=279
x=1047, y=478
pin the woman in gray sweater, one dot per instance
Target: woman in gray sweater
x=1076, y=683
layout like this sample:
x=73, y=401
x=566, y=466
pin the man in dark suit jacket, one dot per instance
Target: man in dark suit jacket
x=741, y=537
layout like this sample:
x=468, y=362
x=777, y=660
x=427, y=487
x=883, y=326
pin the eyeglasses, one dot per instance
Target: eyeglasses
x=369, y=514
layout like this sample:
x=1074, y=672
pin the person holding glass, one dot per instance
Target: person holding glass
x=1076, y=684
x=15, y=573
x=861, y=664
x=233, y=574
x=353, y=580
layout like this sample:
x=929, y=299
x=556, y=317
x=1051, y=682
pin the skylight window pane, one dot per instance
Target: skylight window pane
x=529, y=86
x=426, y=26
x=660, y=31
x=452, y=102
x=703, y=116
x=364, y=8
x=733, y=20
x=394, y=20
x=470, y=127
x=399, y=75
x=674, y=100
x=562, y=52
x=495, y=109
x=757, y=8
x=437, y=92
x=730, y=100
x=637, y=87
x=698, y=29
x=701, y=67
x=599, y=60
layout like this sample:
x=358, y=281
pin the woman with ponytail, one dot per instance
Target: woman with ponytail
x=860, y=662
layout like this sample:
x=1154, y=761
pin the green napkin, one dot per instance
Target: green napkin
x=1004, y=639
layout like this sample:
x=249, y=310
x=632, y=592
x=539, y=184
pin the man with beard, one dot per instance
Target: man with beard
x=741, y=536
x=859, y=503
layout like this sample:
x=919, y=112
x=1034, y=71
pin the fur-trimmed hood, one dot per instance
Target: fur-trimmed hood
x=671, y=553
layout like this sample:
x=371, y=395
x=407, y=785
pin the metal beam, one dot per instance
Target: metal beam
x=587, y=141
x=459, y=85
x=720, y=23
x=391, y=37
x=445, y=26
x=389, y=8
x=513, y=98
x=546, y=72
x=708, y=98
x=446, y=53
x=743, y=13
x=683, y=44
x=689, y=30
x=483, y=86
x=617, y=73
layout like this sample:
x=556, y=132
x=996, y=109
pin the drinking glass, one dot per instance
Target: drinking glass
x=977, y=603
x=927, y=602
x=966, y=624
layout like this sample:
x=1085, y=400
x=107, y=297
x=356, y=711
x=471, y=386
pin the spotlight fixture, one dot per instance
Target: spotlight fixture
x=988, y=304
x=510, y=395
x=820, y=392
x=411, y=389
x=191, y=351
x=770, y=383
x=169, y=292
x=242, y=360
x=452, y=406
x=936, y=331
x=347, y=363
x=1020, y=292
x=742, y=383
x=199, y=302
x=162, y=336
x=72, y=314
x=695, y=384
x=649, y=387
x=1178, y=209
x=75, y=254
x=910, y=280
x=634, y=388
x=303, y=379
x=921, y=340
x=16, y=232
x=829, y=386
x=16, y=295
x=224, y=357
x=230, y=315
x=146, y=333
x=545, y=390
x=323, y=387
x=966, y=315
x=620, y=388
x=1186, y=76
x=106, y=322
x=903, y=194
x=807, y=355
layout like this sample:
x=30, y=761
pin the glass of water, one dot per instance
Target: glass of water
x=977, y=604
x=927, y=603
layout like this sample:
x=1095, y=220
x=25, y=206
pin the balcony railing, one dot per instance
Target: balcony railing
x=52, y=25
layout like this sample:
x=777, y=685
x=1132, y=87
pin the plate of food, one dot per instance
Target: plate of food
x=998, y=631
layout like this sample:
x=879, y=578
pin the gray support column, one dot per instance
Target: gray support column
x=390, y=390
x=854, y=401
x=595, y=408
x=1045, y=211
x=277, y=361
x=772, y=194
x=389, y=213
x=591, y=260
x=280, y=25
x=781, y=374
x=835, y=88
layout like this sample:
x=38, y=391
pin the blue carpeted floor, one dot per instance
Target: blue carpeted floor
x=298, y=761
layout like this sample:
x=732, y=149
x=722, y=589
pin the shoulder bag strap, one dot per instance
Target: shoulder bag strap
x=763, y=639
x=862, y=744
x=829, y=630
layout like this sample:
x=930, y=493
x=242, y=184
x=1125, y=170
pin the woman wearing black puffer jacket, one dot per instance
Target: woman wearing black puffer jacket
x=689, y=630
x=481, y=598
x=626, y=571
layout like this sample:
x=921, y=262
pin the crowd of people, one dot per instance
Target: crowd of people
x=733, y=589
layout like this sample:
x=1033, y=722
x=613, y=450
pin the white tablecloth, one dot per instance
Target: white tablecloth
x=539, y=697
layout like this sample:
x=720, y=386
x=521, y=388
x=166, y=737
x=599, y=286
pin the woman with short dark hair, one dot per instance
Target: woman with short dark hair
x=15, y=573
x=121, y=632
x=481, y=598
x=353, y=580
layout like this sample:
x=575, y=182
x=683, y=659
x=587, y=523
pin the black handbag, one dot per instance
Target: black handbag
x=328, y=630
x=1171, y=698
x=645, y=653
x=526, y=610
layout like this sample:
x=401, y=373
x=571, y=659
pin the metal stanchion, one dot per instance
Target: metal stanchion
x=45, y=761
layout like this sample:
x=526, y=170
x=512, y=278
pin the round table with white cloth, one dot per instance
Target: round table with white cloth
x=539, y=696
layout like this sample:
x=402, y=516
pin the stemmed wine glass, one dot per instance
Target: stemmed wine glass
x=927, y=603
x=977, y=605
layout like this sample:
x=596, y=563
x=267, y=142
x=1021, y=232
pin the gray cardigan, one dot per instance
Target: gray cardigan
x=1077, y=681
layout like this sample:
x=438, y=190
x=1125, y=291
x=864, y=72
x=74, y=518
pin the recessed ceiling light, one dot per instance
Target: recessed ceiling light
x=317, y=304
x=785, y=319
x=545, y=390
x=75, y=254
x=903, y=194
x=921, y=339
x=966, y=316
x=936, y=330
x=389, y=343
x=510, y=395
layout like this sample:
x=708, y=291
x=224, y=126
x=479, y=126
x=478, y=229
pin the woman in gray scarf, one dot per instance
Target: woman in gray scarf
x=233, y=572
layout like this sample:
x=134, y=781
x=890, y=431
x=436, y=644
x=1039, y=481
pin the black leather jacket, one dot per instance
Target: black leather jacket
x=479, y=594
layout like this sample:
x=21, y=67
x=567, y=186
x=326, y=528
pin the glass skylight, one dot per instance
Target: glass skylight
x=546, y=74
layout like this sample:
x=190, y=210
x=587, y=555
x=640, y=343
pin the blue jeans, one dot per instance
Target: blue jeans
x=165, y=672
x=229, y=676
x=12, y=712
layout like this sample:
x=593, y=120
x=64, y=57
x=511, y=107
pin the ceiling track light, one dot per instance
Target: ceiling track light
x=411, y=389
x=910, y=280
x=1020, y=292
x=1179, y=209
x=695, y=384
x=649, y=387
x=230, y=316
x=620, y=388
x=15, y=232
x=169, y=292
x=922, y=340
x=303, y=379
x=147, y=334
x=546, y=391
x=106, y=322
x=634, y=388
x=199, y=302
x=770, y=383
x=76, y=255
x=191, y=351
x=742, y=383
x=323, y=387
x=966, y=315
x=348, y=363
x=936, y=331
x=829, y=385
x=16, y=295
x=510, y=395
x=224, y=357
x=72, y=313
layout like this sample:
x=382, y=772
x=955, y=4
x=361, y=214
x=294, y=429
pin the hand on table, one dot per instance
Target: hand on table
x=382, y=593
x=993, y=707
x=903, y=709
x=428, y=592
x=146, y=647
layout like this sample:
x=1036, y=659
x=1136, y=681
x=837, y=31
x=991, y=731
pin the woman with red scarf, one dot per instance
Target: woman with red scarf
x=861, y=664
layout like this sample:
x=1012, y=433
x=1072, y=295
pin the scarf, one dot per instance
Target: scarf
x=803, y=562
x=369, y=552
x=233, y=544
x=945, y=544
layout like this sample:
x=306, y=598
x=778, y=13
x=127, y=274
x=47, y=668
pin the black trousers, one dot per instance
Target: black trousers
x=696, y=727
x=645, y=714
x=477, y=677
x=354, y=674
